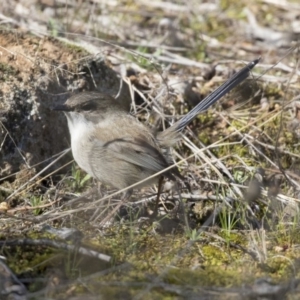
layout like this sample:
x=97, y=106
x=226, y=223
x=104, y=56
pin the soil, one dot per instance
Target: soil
x=35, y=73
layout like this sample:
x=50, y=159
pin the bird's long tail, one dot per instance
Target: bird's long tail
x=170, y=135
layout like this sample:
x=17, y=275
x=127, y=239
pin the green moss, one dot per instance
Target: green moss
x=75, y=49
x=6, y=71
x=208, y=276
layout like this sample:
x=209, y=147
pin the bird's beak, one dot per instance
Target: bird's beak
x=61, y=107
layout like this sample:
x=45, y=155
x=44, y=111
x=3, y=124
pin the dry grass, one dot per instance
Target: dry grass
x=240, y=158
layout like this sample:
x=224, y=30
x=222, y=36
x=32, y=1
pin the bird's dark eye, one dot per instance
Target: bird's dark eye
x=88, y=106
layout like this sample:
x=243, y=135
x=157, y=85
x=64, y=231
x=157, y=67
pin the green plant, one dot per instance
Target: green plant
x=36, y=201
x=228, y=220
x=80, y=180
x=193, y=235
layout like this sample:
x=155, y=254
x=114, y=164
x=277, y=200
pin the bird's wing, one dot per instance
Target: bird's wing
x=137, y=151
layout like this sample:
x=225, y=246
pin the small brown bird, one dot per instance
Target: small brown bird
x=114, y=147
